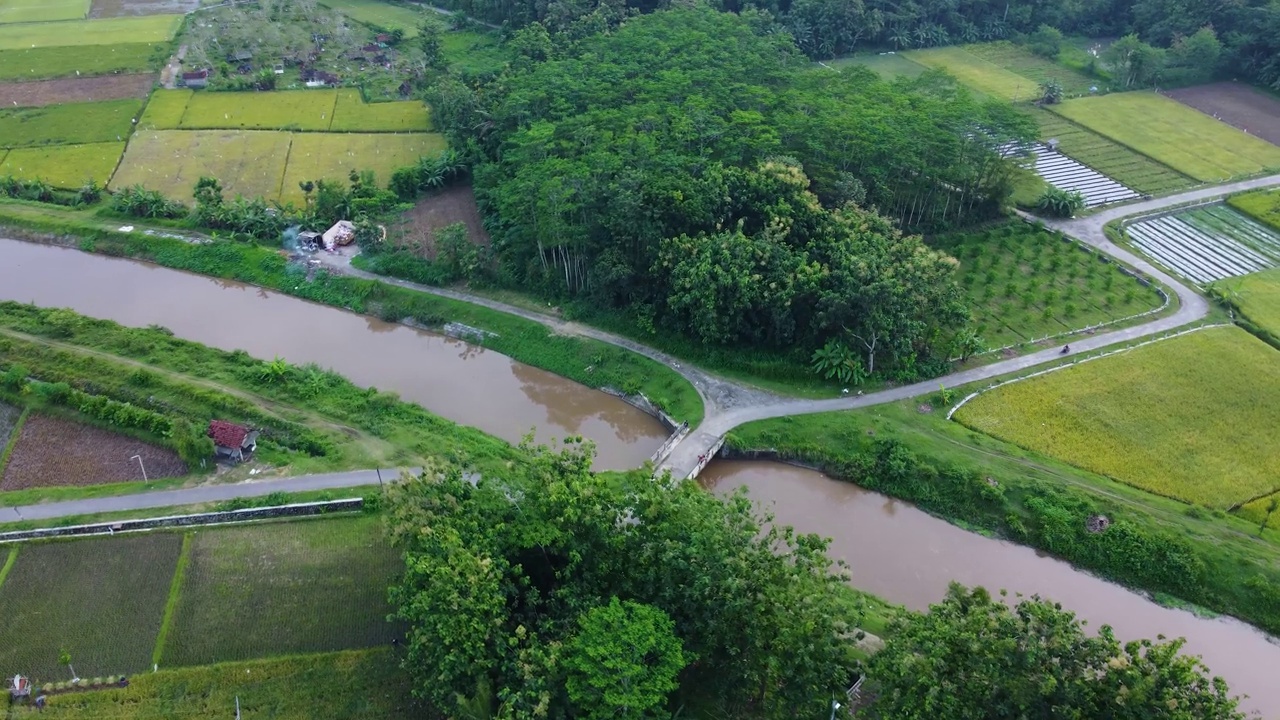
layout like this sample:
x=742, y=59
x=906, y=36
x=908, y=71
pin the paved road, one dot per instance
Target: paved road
x=196, y=495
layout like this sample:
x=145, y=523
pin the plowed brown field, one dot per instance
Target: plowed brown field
x=54, y=452
x=78, y=89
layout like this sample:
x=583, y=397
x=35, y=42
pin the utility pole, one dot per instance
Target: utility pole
x=380, y=487
x=237, y=707
x=144, y=467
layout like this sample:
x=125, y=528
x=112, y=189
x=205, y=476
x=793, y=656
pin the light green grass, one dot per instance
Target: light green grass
x=64, y=166
x=1108, y=157
x=1258, y=297
x=171, y=601
x=249, y=163
x=69, y=124
x=101, y=599
x=353, y=685
x=108, y=31
x=30, y=11
x=1172, y=133
x=51, y=62
x=1192, y=418
x=1256, y=511
x=981, y=75
x=353, y=114
x=282, y=110
x=464, y=49
x=1014, y=273
x=165, y=109
x=389, y=16
x=474, y=51
x=1019, y=60
x=279, y=588
x=11, y=558
x=888, y=67
x=316, y=155
x=1261, y=205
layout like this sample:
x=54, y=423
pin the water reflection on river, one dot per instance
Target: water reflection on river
x=453, y=379
x=907, y=556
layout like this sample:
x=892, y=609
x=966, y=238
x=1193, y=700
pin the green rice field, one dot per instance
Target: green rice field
x=333, y=155
x=64, y=166
x=351, y=685
x=352, y=114
x=1261, y=205
x=269, y=589
x=164, y=109
x=49, y=62
x=1108, y=157
x=1258, y=297
x=982, y=75
x=102, y=600
x=69, y=124
x=1192, y=418
x=1026, y=284
x=1023, y=62
x=281, y=110
x=29, y=11
x=107, y=31
x=1171, y=133
x=888, y=67
x=248, y=162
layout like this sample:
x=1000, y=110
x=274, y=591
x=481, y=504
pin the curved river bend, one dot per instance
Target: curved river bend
x=894, y=550
x=453, y=379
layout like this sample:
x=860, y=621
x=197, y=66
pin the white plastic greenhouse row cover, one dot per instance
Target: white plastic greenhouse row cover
x=1193, y=253
x=1065, y=173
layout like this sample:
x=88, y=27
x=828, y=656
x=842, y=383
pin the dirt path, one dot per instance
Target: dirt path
x=173, y=69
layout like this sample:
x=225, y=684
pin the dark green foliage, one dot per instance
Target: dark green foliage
x=1057, y=202
x=140, y=202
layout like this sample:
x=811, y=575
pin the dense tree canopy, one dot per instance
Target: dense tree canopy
x=972, y=657
x=691, y=168
x=515, y=588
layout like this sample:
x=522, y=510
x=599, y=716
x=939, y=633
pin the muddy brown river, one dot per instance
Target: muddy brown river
x=453, y=379
x=907, y=556
x=893, y=549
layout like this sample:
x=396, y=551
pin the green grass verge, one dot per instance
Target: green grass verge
x=1019, y=60
x=101, y=600
x=69, y=124
x=1172, y=133
x=1108, y=157
x=30, y=11
x=97, y=33
x=279, y=588
x=9, y=560
x=353, y=685
x=49, y=62
x=171, y=602
x=1027, y=284
x=352, y=114
x=982, y=75
x=1206, y=557
x=1190, y=418
x=1261, y=205
x=12, y=433
x=64, y=166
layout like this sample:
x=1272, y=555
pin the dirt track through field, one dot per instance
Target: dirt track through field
x=1237, y=105
x=72, y=90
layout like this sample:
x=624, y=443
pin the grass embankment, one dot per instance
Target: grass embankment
x=312, y=420
x=1172, y=133
x=1191, y=418
x=359, y=685
x=1206, y=557
x=1026, y=284
x=1261, y=205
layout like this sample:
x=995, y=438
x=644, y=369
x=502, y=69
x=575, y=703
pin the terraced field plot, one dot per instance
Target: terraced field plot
x=1192, y=418
x=74, y=90
x=1258, y=296
x=1236, y=104
x=981, y=75
x=1025, y=284
x=51, y=62
x=334, y=155
x=103, y=600
x=111, y=31
x=282, y=110
x=1172, y=133
x=1261, y=205
x=281, y=588
x=1023, y=62
x=249, y=162
x=69, y=124
x=29, y=11
x=1125, y=166
x=889, y=65
x=64, y=166
x=1207, y=244
x=352, y=114
x=55, y=452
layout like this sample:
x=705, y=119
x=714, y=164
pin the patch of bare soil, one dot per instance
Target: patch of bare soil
x=77, y=89
x=126, y=8
x=1235, y=104
x=51, y=452
x=456, y=204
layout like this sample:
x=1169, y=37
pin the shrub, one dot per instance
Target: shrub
x=138, y=201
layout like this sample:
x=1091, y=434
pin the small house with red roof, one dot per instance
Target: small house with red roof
x=232, y=441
